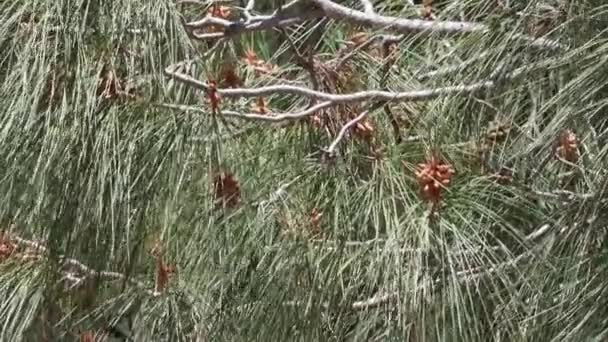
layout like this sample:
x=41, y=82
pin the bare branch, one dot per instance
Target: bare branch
x=345, y=128
x=538, y=232
x=364, y=45
x=374, y=301
x=208, y=21
x=376, y=95
x=328, y=100
x=283, y=17
x=292, y=13
x=308, y=65
x=564, y=195
x=234, y=28
x=270, y=117
x=453, y=68
x=248, y=9
x=278, y=194
x=401, y=25
x=75, y=271
x=339, y=12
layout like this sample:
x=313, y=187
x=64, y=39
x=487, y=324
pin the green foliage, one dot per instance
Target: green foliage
x=96, y=170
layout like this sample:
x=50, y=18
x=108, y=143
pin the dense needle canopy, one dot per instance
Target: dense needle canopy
x=309, y=170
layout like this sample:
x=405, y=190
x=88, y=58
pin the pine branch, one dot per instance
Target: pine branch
x=368, y=7
x=401, y=25
x=395, y=24
x=74, y=271
x=367, y=95
x=284, y=16
x=270, y=117
x=330, y=99
x=386, y=39
x=331, y=148
x=301, y=10
x=466, y=275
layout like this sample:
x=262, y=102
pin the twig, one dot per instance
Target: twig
x=331, y=148
x=270, y=117
x=396, y=246
x=389, y=61
x=368, y=7
x=364, y=45
x=247, y=11
x=374, y=301
x=76, y=271
x=538, y=232
x=74, y=280
x=562, y=195
x=276, y=195
x=232, y=135
x=477, y=272
x=302, y=61
x=453, y=68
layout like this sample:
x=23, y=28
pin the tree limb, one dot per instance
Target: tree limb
x=75, y=271
x=368, y=7
x=270, y=117
x=294, y=13
x=395, y=24
x=376, y=95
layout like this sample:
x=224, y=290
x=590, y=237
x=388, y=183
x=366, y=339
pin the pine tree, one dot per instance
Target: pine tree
x=306, y=170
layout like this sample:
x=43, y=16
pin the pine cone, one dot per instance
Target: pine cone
x=7, y=247
x=227, y=189
x=567, y=148
x=433, y=175
x=364, y=130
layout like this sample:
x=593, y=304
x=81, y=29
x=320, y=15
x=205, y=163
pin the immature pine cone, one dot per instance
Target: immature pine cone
x=364, y=130
x=227, y=190
x=432, y=176
x=7, y=247
x=567, y=148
